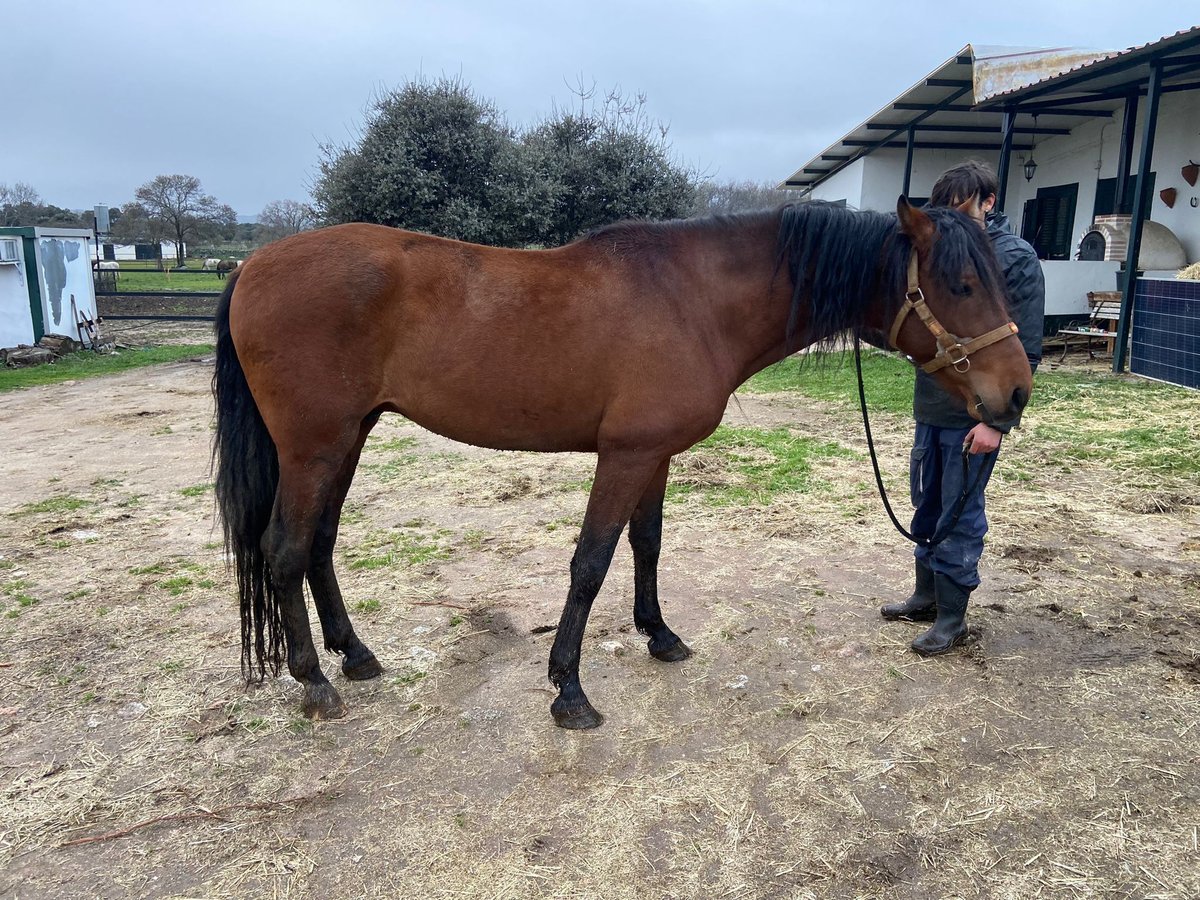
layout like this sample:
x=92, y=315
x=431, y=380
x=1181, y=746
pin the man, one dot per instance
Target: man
x=947, y=573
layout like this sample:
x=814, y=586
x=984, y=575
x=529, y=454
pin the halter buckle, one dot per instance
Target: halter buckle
x=963, y=360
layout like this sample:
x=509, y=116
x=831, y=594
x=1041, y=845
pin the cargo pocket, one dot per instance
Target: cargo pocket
x=916, y=475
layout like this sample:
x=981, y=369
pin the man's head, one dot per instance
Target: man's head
x=971, y=187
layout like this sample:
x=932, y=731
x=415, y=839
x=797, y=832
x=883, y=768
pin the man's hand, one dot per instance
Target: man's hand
x=982, y=439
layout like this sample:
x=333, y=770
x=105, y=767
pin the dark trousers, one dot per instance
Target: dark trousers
x=936, y=484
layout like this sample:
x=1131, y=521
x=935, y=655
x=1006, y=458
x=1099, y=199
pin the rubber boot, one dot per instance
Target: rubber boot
x=951, y=625
x=920, y=607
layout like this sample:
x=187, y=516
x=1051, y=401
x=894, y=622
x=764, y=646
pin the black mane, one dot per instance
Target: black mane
x=840, y=259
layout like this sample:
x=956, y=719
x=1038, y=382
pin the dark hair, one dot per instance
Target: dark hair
x=968, y=181
x=840, y=260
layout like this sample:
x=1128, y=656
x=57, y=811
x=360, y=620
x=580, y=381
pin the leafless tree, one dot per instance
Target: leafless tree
x=15, y=200
x=281, y=218
x=713, y=197
x=179, y=202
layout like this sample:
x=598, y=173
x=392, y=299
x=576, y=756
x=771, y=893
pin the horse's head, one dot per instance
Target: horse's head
x=954, y=320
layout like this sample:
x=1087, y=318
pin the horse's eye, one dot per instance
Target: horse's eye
x=962, y=290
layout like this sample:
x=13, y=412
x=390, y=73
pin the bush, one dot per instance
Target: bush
x=435, y=157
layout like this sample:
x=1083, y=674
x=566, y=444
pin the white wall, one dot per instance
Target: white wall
x=65, y=270
x=1068, y=283
x=1176, y=142
x=845, y=185
x=16, y=320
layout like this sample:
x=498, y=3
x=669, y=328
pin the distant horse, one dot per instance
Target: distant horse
x=225, y=266
x=626, y=343
x=107, y=274
x=210, y=265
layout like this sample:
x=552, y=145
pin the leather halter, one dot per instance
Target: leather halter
x=952, y=350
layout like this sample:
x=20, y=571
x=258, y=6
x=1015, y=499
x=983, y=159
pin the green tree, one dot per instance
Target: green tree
x=21, y=204
x=135, y=225
x=434, y=157
x=184, y=211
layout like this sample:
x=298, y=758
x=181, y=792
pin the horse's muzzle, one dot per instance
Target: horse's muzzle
x=1007, y=417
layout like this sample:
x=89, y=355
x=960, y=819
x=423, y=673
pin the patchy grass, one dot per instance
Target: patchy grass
x=1077, y=416
x=1129, y=424
x=153, y=569
x=88, y=365
x=63, y=504
x=389, y=457
x=197, y=490
x=15, y=591
x=888, y=379
x=382, y=550
x=749, y=465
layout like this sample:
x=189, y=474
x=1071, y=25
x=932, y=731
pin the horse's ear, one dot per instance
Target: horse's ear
x=913, y=222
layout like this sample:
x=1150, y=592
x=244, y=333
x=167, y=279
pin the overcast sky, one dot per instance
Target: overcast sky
x=241, y=94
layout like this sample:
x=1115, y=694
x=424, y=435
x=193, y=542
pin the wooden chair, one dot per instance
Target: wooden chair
x=1105, y=313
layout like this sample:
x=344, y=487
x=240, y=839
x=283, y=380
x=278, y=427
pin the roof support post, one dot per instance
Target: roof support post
x=1125, y=155
x=908, y=160
x=1153, y=92
x=1005, y=154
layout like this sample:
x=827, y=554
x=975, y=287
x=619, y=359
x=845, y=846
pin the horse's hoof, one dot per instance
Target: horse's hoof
x=363, y=669
x=577, y=718
x=321, y=701
x=671, y=653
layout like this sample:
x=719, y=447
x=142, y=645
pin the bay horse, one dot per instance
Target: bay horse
x=626, y=343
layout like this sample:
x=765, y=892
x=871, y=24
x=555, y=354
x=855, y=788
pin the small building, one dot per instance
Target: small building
x=45, y=284
x=1080, y=139
x=131, y=252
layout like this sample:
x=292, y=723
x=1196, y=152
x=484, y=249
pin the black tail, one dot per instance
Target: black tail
x=247, y=473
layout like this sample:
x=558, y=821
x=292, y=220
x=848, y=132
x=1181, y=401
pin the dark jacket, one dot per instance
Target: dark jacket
x=1027, y=302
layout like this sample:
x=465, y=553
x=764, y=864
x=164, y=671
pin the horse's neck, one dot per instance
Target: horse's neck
x=751, y=305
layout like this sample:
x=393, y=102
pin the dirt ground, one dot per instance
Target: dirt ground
x=804, y=750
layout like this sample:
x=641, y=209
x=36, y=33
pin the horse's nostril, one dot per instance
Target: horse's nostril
x=1019, y=399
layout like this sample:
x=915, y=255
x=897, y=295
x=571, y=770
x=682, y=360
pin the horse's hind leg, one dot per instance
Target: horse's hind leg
x=358, y=661
x=645, y=537
x=620, y=480
x=301, y=497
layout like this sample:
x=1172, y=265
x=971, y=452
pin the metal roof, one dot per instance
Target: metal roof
x=960, y=104
x=1113, y=74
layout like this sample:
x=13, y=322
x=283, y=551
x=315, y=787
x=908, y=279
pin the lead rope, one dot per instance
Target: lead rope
x=938, y=537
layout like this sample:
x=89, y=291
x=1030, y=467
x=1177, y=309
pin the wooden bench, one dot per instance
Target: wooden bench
x=1105, y=307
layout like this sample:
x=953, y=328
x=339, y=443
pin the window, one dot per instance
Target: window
x=1048, y=222
x=1106, y=196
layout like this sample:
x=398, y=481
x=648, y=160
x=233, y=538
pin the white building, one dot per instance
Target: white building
x=122, y=252
x=1086, y=118
x=45, y=284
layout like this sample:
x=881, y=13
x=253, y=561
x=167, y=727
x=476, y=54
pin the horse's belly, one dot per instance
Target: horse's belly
x=512, y=429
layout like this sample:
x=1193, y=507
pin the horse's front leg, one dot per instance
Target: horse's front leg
x=621, y=477
x=645, y=537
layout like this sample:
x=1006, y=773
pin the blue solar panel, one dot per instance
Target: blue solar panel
x=1166, y=331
